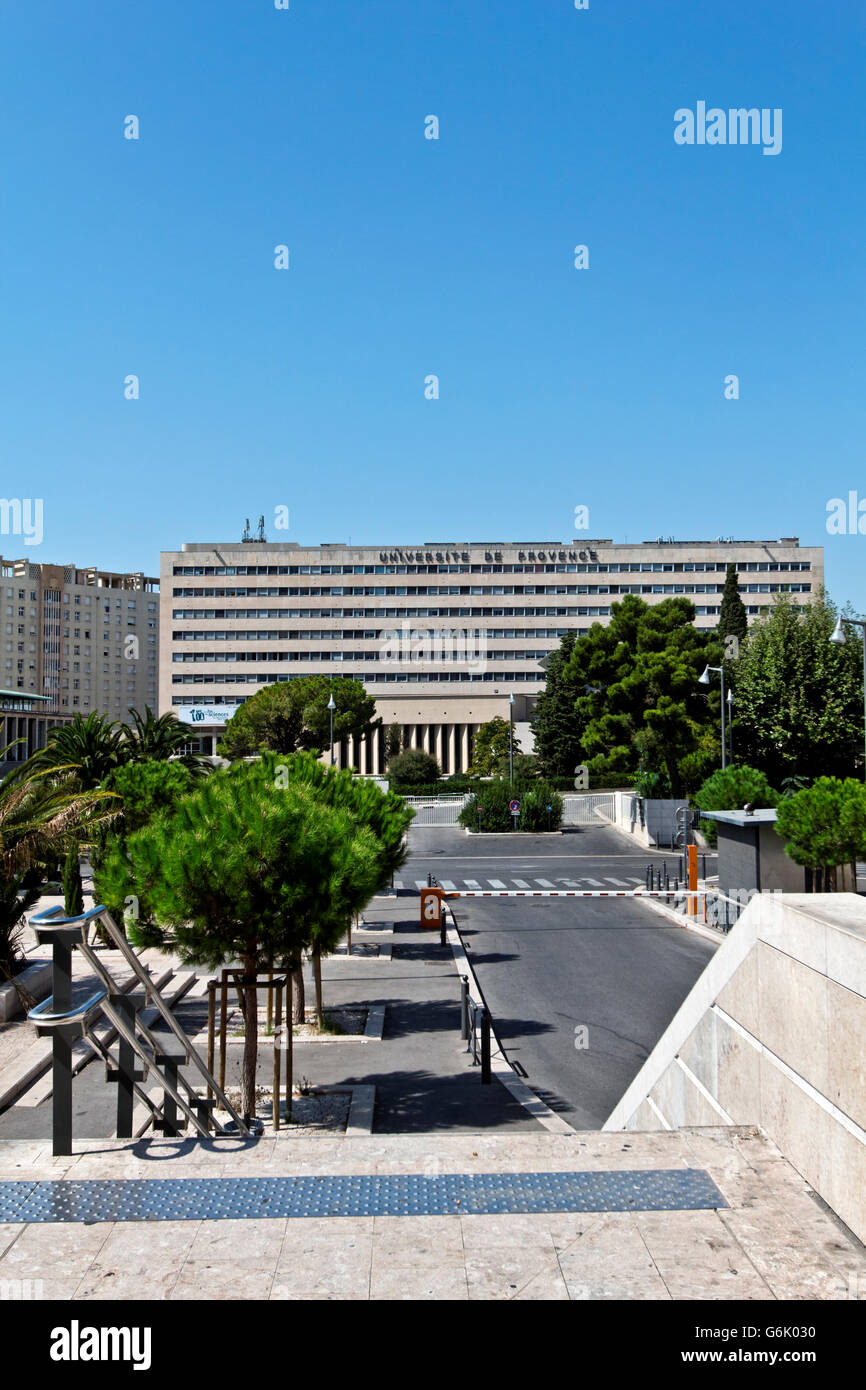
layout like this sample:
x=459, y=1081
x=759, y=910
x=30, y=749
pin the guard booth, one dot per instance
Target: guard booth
x=751, y=855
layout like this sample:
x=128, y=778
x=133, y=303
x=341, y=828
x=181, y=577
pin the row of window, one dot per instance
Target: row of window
x=476, y=652
x=356, y=634
x=624, y=567
x=367, y=678
x=453, y=590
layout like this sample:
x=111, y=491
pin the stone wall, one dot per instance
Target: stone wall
x=773, y=1035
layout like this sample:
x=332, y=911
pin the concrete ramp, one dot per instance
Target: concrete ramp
x=773, y=1034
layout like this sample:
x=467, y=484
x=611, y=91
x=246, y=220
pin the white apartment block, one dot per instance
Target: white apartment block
x=442, y=634
x=85, y=639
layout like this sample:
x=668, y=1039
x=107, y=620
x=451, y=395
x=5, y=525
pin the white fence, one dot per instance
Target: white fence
x=595, y=808
x=437, y=810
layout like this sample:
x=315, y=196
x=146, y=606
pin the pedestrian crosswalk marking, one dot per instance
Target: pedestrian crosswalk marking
x=544, y=882
x=521, y=882
x=472, y=883
x=619, y=882
x=448, y=886
x=496, y=883
x=421, y=883
x=593, y=882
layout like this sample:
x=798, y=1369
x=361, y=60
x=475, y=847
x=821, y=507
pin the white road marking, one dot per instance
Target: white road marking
x=421, y=883
x=618, y=882
x=449, y=886
x=544, y=882
x=496, y=883
x=521, y=883
x=593, y=882
x=398, y=883
x=472, y=883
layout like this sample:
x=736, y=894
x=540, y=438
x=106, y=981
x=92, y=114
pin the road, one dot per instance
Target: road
x=580, y=990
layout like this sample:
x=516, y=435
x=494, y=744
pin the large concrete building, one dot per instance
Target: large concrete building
x=84, y=639
x=442, y=634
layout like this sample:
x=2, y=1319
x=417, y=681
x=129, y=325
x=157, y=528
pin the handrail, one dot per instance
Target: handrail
x=40, y=1014
x=120, y=941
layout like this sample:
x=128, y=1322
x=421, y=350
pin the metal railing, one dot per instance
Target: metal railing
x=475, y=1029
x=67, y=1022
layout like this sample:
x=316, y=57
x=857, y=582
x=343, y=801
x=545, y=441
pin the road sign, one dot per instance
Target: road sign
x=431, y=907
x=514, y=807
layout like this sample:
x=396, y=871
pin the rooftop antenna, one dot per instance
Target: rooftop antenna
x=262, y=536
x=246, y=536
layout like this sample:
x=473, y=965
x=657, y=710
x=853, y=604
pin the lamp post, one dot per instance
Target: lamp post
x=331, y=708
x=511, y=740
x=731, y=724
x=839, y=636
x=705, y=680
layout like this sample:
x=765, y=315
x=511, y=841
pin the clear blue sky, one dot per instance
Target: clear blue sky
x=305, y=388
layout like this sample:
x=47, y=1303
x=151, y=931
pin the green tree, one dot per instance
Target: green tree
x=293, y=715
x=150, y=739
x=39, y=817
x=731, y=789
x=640, y=702
x=490, y=747
x=393, y=742
x=73, y=894
x=85, y=750
x=799, y=695
x=238, y=871
x=733, y=618
x=413, y=768
x=824, y=826
x=143, y=790
x=554, y=723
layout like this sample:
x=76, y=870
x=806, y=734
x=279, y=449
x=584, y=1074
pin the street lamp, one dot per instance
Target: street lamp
x=731, y=723
x=331, y=708
x=511, y=740
x=839, y=636
x=705, y=680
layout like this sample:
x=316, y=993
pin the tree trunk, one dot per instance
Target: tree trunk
x=298, y=998
x=317, y=976
x=251, y=1041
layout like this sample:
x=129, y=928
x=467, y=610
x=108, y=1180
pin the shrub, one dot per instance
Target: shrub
x=413, y=768
x=730, y=789
x=492, y=798
x=825, y=824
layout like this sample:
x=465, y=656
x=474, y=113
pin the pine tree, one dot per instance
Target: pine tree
x=733, y=619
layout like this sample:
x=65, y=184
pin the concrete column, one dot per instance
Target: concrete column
x=452, y=748
x=439, y=731
x=464, y=747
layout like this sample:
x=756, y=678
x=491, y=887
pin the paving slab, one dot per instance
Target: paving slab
x=774, y=1239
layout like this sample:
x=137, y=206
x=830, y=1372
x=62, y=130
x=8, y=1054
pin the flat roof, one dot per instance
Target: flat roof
x=763, y=816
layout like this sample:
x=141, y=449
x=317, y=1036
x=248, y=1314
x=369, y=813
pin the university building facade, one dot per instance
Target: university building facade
x=443, y=635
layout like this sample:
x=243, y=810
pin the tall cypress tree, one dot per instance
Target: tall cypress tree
x=733, y=619
x=554, y=724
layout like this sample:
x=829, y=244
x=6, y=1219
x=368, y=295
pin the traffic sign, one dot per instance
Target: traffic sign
x=514, y=807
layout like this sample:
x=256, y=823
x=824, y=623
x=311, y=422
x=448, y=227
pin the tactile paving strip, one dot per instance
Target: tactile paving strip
x=445, y=1194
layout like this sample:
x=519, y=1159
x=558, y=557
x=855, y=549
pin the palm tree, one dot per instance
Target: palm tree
x=88, y=749
x=153, y=738
x=39, y=819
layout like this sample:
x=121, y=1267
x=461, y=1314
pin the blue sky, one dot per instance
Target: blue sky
x=409, y=257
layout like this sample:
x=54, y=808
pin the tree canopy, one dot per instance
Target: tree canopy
x=554, y=723
x=490, y=747
x=638, y=699
x=292, y=716
x=799, y=696
x=825, y=825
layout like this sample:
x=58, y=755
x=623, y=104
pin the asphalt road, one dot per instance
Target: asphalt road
x=580, y=990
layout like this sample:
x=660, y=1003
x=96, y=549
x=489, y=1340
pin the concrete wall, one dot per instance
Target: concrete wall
x=772, y=1035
